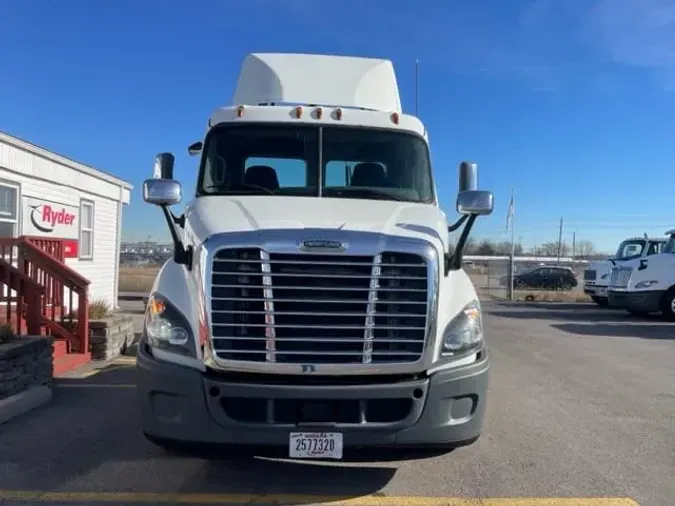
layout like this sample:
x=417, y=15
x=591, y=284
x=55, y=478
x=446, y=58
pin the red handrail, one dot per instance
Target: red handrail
x=28, y=295
x=55, y=275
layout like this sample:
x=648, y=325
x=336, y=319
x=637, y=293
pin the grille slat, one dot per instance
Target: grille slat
x=620, y=276
x=343, y=310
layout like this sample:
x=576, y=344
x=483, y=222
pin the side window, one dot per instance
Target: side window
x=654, y=248
x=338, y=173
x=9, y=210
x=86, y=245
x=291, y=172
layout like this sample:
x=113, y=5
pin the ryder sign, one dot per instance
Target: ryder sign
x=50, y=219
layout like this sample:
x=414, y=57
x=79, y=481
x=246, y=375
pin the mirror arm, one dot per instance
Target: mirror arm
x=181, y=254
x=457, y=224
x=454, y=262
x=178, y=220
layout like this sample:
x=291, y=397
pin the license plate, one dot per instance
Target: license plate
x=601, y=292
x=315, y=445
x=590, y=289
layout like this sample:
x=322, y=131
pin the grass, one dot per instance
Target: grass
x=550, y=296
x=137, y=279
x=98, y=309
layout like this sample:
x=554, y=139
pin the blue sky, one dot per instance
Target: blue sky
x=570, y=102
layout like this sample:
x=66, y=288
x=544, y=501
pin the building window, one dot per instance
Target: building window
x=86, y=246
x=9, y=210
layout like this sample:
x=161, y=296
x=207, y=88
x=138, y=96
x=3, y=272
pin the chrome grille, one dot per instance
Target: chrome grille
x=620, y=277
x=318, y=309
x=590, y=275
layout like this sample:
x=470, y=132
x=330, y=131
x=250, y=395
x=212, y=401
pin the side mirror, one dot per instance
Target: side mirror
x=195, y=148
x=468, y=176
x=162, y=192
x=163, y=166
x=478, y=202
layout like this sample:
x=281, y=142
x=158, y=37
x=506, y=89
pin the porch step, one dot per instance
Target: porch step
x=60, y=348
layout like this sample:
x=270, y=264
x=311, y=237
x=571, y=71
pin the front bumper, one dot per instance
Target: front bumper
x=179, y=403
x=596, y=290
x=648, y=301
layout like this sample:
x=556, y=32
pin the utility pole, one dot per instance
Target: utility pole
x=417, y=65
x=574, y=245
x=560, y=239
x=509, y=221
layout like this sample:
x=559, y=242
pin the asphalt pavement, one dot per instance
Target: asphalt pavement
x=581, y=405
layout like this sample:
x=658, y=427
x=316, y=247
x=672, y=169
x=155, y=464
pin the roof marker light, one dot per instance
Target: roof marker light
x=319, y=112
x=298, y=112
x=394, y=117
x=240, y=111
x=338, y=114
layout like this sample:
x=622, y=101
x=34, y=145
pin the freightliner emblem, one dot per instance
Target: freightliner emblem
x=322, y=244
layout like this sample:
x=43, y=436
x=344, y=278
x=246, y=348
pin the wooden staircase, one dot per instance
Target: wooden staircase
x=41, y=295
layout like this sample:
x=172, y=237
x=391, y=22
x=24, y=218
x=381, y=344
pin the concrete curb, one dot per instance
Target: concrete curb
x=23, y=402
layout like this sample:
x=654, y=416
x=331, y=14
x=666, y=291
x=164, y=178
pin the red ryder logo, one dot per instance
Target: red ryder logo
x=45, y=218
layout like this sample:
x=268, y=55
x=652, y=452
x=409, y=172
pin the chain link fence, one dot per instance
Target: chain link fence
x=534, y=279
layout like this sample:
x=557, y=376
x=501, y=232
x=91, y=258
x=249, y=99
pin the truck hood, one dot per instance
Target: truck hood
x=602, y=269
x=207, y=216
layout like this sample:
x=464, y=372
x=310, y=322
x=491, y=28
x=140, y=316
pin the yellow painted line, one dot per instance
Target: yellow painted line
x=94, y=385
x=283, y=499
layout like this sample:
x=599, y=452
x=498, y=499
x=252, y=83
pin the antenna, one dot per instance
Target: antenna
x=417, y=65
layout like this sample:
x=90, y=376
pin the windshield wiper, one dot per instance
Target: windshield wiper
x=369, y=192
x=238, y=189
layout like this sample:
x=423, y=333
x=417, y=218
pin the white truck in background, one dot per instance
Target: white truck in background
x=596, y=275
x=647, y=284
x=311, y=301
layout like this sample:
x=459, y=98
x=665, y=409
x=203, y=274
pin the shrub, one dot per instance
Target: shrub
x=7, y=334
x=98, y=309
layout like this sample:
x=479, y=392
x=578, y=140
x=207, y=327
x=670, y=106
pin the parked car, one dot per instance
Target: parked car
x=544, y=277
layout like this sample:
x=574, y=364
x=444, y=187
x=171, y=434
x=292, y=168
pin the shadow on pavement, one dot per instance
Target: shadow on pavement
x=664, y=331
x=89, y=438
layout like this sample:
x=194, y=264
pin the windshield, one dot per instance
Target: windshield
x=629, y=249
x=284, y=160
x=670, y=245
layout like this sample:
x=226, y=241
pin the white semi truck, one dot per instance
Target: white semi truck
x=311, y=301
x=596, y=275
x=646, y=285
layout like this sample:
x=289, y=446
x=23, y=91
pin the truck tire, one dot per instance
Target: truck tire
x=600, y=301
x=668, y=304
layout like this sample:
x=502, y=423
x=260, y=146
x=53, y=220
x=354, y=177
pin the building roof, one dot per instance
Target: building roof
x=68, y=162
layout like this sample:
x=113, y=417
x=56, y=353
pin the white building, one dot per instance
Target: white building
x=45, y=194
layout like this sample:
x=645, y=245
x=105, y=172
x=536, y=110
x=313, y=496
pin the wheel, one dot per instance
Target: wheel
x=600, y=301
x=668, y=305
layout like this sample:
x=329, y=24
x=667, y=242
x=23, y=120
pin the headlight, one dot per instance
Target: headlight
x=646, y=284
x=464, y=332
x=166, y=328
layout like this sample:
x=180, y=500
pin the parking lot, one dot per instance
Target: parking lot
x=581, y=405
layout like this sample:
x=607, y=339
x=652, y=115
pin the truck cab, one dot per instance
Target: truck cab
x=311, y=301
x=646, y=284
x=596, y=275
